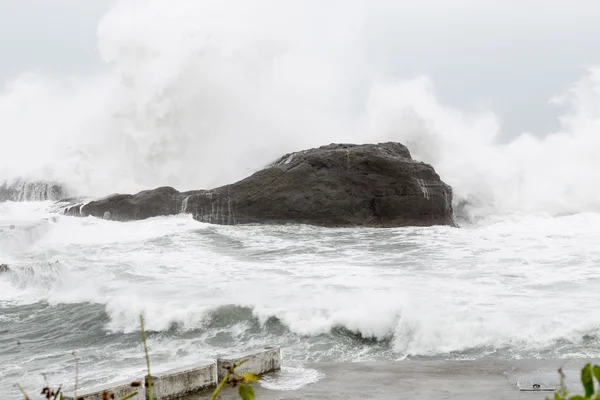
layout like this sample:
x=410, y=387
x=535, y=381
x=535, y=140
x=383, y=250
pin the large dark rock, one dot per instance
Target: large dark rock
x=25, y=190
x=376, y=185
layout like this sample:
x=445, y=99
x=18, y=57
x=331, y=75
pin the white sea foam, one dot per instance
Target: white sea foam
x=291, y=379
x=430, y=290
x=511, y=287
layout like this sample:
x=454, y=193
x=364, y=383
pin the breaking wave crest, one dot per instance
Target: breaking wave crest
x=405, y=337
x=27, y=282
x=240, y=328
x=423, y=291
x=34, y=274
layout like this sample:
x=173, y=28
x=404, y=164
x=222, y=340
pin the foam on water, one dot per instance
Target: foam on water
x=291, y=378
x=22, y=225
x=506, y=288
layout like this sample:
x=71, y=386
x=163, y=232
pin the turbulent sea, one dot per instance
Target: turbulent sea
x=505, y=288
x=200, y=94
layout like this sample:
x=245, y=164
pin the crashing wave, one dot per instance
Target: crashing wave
x=34, y=273
x=25, y=190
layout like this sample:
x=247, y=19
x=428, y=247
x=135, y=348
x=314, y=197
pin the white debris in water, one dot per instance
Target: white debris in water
x=291, y=378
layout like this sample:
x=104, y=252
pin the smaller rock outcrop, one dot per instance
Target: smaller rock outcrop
x=125, y=207
x=24, y=190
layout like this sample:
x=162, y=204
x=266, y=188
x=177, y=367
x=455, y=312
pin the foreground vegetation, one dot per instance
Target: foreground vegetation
x=245, y=391
x=587, y=379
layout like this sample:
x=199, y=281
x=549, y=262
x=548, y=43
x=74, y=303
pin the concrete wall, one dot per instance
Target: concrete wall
x=118, y=389
x=259, y=362
x=175, y=383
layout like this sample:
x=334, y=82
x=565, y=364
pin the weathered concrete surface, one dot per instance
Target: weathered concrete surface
x=175, y=383
x=428, y=380
x=118, y=389
x=185, y=381
x=338, y=185
x=258, y=362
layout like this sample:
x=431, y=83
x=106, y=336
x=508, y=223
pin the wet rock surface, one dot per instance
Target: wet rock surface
x=338, y=185
x=25, y=190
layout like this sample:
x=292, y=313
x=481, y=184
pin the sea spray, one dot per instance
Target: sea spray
x=194, y=96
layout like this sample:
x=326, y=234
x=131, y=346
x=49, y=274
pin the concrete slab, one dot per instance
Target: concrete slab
x=118, y=389
x=259, y=362
x=185, y=381
x=175, y=383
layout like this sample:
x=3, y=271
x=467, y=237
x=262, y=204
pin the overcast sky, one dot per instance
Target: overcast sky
x=49, y=36
x=509, y=55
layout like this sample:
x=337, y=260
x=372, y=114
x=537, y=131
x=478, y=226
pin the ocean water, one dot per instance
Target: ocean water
x=520, y=286
x=200, y=94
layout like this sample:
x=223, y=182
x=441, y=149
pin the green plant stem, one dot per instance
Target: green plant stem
x=57, y=393
x=129, y=396
x=226, y=379
x=221, y=385
x=23, y=391
x=76, y=374
x=149, y=383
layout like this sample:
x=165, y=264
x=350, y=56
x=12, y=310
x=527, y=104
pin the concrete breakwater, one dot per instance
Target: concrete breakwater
x=192, y=379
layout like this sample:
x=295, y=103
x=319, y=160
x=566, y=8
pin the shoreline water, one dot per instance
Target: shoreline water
x=434, y=380
x=510, y=289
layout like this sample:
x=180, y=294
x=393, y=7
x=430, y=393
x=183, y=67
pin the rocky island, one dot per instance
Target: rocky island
x=338, y=185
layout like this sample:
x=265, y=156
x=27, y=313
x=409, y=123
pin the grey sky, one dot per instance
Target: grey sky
x=509, y=55
x=49, y=36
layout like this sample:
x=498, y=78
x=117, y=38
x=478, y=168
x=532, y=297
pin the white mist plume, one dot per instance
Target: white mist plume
x=554, y=174
x=203, y=93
